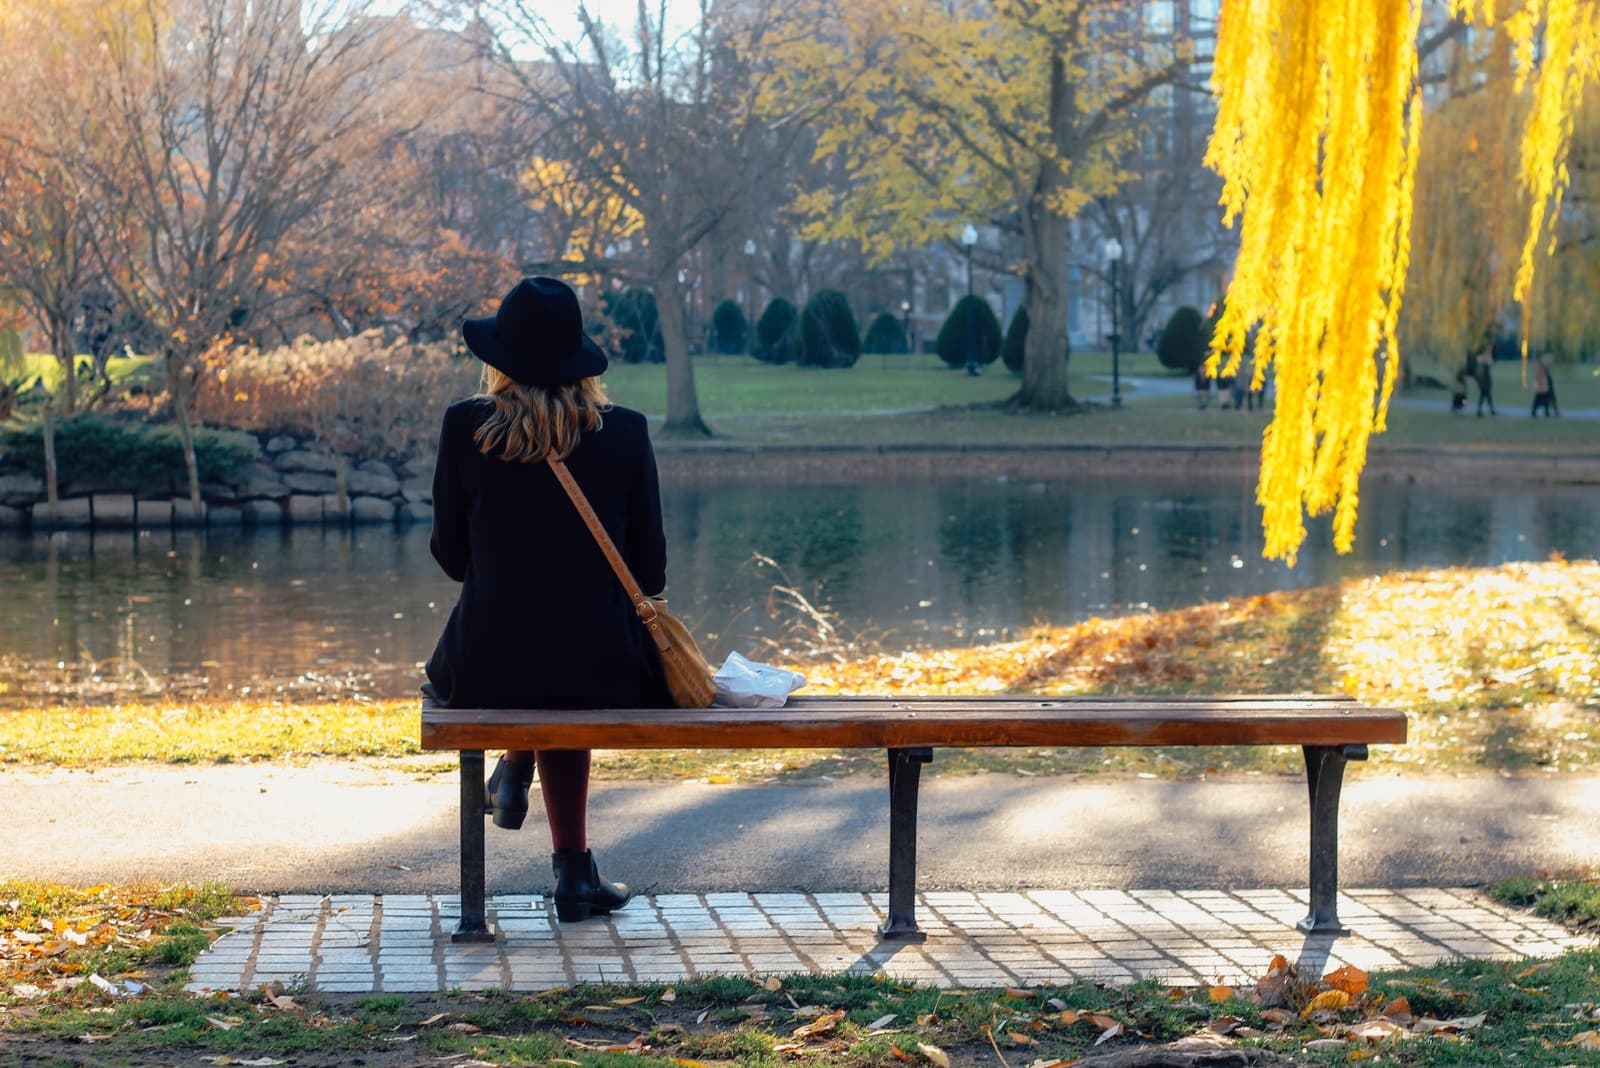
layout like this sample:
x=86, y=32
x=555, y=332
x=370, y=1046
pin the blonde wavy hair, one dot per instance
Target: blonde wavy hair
x=530, y=423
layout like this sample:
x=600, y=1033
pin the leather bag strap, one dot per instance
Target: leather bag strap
x=641, y=603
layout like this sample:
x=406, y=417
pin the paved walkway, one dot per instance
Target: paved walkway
x=353, y=944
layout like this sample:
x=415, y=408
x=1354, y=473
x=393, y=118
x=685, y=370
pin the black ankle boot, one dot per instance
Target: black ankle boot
x=580, y=892
x=506, y=794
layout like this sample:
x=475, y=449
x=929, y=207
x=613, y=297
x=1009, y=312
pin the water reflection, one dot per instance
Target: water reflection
x=907, y=564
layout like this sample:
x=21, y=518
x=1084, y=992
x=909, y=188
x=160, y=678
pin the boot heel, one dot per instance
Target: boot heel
x=505, y=796
x=509, y=819
x=573, y=911
x=580, y=892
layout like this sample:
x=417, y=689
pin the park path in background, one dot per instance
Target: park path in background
x=369, y=828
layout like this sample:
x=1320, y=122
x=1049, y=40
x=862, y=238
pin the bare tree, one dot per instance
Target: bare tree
x=667, y=123
x=231, y=119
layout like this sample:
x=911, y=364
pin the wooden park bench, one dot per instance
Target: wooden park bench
x=1332, y=730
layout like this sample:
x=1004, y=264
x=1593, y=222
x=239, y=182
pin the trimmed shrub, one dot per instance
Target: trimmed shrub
x=634, y=313
x=775, y=332
x=1013, y=352
x=952, y=343
x=886, y=334
x=1183, y=341
x=730, y=332
x=93, y=450
x=829, y=336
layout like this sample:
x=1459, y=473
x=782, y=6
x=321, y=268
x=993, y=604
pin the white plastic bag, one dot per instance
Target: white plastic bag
x=743, y=683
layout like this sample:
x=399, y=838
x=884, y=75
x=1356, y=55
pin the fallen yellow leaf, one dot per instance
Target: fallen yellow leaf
x=1328, y=1000
x=820, y=1026
x=934, y=1054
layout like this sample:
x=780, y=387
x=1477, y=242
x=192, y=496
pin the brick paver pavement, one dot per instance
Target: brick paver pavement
x=356, y=943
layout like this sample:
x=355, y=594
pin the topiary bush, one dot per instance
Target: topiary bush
x=730, y=331
x=775, y=332
x=885, y=334
x=952, y=343
x=1014, y=350
x=829, y=336
x=1183, y=341
x=94, y=450
x=634, y=313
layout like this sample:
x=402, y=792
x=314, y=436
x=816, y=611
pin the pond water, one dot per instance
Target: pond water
x=901, y=564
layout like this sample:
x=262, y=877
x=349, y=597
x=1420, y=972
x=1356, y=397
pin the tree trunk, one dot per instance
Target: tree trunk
x=1044, y=363
x=1044, y=370
x=178, y=384
x=61, y=342
x=683, y=403
x=51, y=494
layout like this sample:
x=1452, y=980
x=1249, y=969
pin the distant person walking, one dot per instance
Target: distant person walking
x=1235, y=385
x=1544, y=387
x=1256, y=396
x=1202, y=387
x=1458, y=392
x=1484, y=372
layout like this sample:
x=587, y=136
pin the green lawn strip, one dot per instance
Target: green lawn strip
x=1572, y=901
x=203, y=730
x=40, y=366
x=1532, y=1014
x=749, y=403
x=1158, y=421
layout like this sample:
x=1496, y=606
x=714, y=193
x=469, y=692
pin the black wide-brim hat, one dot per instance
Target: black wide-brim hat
x=537, y=336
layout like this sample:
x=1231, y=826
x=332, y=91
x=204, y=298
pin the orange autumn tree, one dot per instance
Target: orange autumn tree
x=1317, y=140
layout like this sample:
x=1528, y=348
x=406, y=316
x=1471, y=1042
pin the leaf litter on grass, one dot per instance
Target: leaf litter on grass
x=1498, y=668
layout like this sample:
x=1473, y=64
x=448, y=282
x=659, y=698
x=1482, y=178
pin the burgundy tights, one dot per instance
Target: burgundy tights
x=564, y=783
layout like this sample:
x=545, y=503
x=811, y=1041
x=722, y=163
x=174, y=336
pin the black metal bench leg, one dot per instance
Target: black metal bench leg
x=1324, y=777
x=472, y=926
x=905, y=774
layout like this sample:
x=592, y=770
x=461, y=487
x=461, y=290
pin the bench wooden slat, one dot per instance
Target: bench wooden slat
x=887, y=723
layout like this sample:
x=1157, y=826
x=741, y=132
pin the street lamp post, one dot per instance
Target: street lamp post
x=969, y=237
x=905, y=323
x=750, y=297
x=1113, y=251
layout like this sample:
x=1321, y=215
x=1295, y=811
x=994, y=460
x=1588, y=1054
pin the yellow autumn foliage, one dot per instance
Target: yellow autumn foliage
x=1317, y=140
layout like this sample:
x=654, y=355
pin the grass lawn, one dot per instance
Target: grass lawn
x=1511, y=685
x=39, y=366
x=910, y=400
x=58, y=941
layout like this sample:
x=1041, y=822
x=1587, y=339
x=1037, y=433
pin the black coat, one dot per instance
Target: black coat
x=542, y=621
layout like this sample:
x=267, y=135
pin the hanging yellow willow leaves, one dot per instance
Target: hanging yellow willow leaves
x=1317, y=132
x=1566, y=61
x=1317, y=128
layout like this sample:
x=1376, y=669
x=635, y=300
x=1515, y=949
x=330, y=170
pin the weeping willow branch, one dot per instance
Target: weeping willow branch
x=1317, y=138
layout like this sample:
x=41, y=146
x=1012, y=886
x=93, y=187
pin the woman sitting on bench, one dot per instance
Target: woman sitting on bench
x=541, y=621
